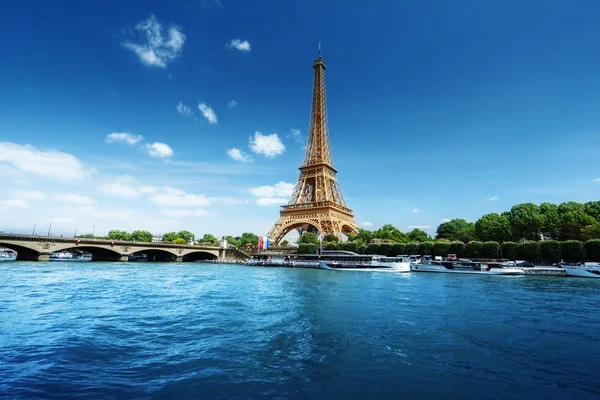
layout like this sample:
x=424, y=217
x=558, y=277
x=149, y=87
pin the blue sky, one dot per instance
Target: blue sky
x=123, y=115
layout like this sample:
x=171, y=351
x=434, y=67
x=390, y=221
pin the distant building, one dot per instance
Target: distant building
x=156, y=239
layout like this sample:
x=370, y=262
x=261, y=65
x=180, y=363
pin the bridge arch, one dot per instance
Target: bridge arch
x=300, y=225
x=199, y=255
x=160, y=255
x=24, y=253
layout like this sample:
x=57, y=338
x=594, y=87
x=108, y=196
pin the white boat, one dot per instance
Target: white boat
x=68, y=256
x=364, y=263
x=466, y=267
x=582, y=270
x=8, y=255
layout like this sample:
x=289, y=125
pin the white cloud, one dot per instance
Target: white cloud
x=153, y=47
x=175, y=200
x=48, y=163
x=239, y=155
x=232, y=104
x=123, y=137
x=445, y=220
x=296, y=134
x=185, y=213
x=100, y=214
x=63, y=220
x=281, y=189
x=74, y=199
x=16, y=203
x=208, y=113
x=419, y=227
x=414, y=210
x=269, y=145
x=184, y=109
x=270, y=201
x=126, y=186
x=159, y=150
x=366, y=224
x=493, y=198
x=172, y=190
x=597, y=180
x=30, y=194
x=239, y=44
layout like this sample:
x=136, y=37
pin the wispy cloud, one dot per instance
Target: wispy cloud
x=597, y=180
x=366, y=223
x=414, y=210
x=445, y=220
x=296, y=134
x=208, y=113
x=15, y=203
x=184, y=109
x=153, y=47
x=232, y=104
x=268, y=145
x=239, y=44
x=49, y=163
x=126, y=137
x=239, y=155
x=271, y=201
x=126, y=186
x=493, y=198
x=419, y=227
x=74, y=199
x=159, y=150
x=277, y=194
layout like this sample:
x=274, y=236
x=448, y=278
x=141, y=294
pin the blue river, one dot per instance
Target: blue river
x=209, y=331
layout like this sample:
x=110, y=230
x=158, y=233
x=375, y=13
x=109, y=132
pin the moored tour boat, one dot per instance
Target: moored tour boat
x=365, y=263
x=7, y=255
x=466, y=267
x=581, y=270
x=68, y=256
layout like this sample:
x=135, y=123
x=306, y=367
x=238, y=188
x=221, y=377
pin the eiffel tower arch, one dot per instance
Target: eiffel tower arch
x=317, y=203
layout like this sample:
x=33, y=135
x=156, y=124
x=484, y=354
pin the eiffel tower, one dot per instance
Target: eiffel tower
x=317, y=204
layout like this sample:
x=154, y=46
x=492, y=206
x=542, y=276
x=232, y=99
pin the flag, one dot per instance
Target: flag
x=267, y=242
x=260, y=242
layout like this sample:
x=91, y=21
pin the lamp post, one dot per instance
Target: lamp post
x=75, y=234
x=93, y=230
x=49, y=228
x=33, y=233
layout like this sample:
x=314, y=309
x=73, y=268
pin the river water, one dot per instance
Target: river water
x=206, y=331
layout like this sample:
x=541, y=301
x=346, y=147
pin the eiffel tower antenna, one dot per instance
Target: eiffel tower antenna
x=317, y=204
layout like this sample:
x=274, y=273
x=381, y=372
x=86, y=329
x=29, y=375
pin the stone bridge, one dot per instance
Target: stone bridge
x=39, y=248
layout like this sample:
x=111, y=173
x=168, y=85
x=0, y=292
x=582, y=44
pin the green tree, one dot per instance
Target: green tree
x=332, y=246
x=441, y=248
x=232, y=241
x=473, y=249
x=179, y=241
x=573, y=220
x=526, y=221
x=86, y=236
x=141, y=236
x=390, y=232
x=365, y=235
x=418, y=235
x=372, y=248
x=398, y=249
x=285, y=243
x=307, y=248
x=248, y=238
x=493, y=227
x=386, y=249
x=348, y=246
x=592, y=208
x=572, y=250
x=529, y=251
x=550, y=220
x=186, y=235
x=361, y=249
x=509, y=250
x=309, y=237
x=169, y=237
x=550, y=251
x=490, y=249
x=592, y=248
x=411, y=248
x=116, y=234
x=457, y=248
x=331, y=238
x=426, y=248
x=456, y=229
x=208, y=239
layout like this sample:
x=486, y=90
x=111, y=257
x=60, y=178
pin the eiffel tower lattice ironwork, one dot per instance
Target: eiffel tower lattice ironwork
x=317, y=204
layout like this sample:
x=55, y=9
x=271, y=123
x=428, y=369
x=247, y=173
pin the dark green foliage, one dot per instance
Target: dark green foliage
x=285, y=243
x=309, y=237
x=307, y=248
x=494, y=227
x=141, y=236
x=592, y=208
x=169, y=236
x=473, y=249
x=572, y=250
x=116, y=234
x=441, y=248
x=331, y=238
x=372, y=248
x=362, y=249
x=509, y=250
x=456, y=229
x=207, y=239
x=331, y=246
x=189, y=236
x=426, y=248
x=550, y=251
x=526, y=221
x=386, y=249
x=418, y=235
x=490, y=250
x=457, y=248
x=248, y=238
x=592, y=248
x=529, y=251
x=573, y=220
x=179, y=241
x=411, y=248
x=390, y=232
x=348, y=246
x=398, y=249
